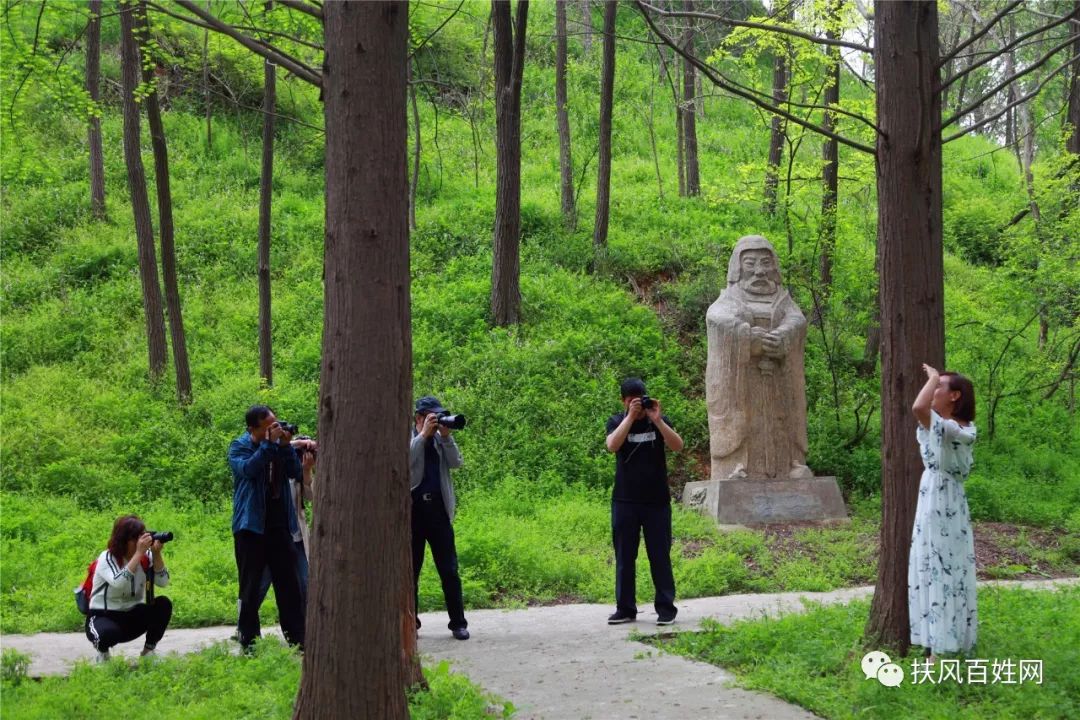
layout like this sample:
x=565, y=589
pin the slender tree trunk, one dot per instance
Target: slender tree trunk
x=206, y=82
x=93, y=78
x=830, y=170
x=777, y=130
x=165, y=225
x=693, y=176
x=910, y=277
x=586, y=26
x=136, y=176
x=354, y=665
x=509, y=65
x=566, y=164
x=416, y=150
x=872, y=345
x=607, y=94
x=266, y=194
x=1072, y=144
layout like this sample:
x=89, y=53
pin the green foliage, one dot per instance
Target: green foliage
x=217, y=683
x=14, y=666
x=813, y=659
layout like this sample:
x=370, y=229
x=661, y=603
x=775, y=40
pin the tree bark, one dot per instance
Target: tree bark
x=910, y=281
x=830, y=170
x=607, y=94
x=206, y=83
x=566, y=164
x=136, y=177
x=361, y=575
x=266, y=192
x=509, y=64
x=165, y=224
x=777, y=130
x=693, y=176
x=93, y=79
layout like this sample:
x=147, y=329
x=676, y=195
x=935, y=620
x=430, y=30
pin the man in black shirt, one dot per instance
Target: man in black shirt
x=640, y=502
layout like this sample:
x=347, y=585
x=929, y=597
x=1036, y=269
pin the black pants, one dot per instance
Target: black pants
x=106, y=628
x=254, y=554
x=628, y=521
x=430, y=524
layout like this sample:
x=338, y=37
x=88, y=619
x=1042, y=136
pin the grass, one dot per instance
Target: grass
x=813, y=659
x=214, y=683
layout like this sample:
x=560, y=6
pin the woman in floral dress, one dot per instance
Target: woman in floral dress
x=941, y=568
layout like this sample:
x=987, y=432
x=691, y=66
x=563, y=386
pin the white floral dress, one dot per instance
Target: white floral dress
x=941, y=569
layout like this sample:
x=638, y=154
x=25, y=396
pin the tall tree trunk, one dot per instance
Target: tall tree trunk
x=607, y=94
x=1072, y=144
x=566, y=164
x=830, y=170
x=165, y=224
x=693, y=176
x=777, y=130
x=586, y=26
x=416, y=150
x=266, y=193
x=206, y=83
x=509, y=64
x=361, y=573
x=93, y=78
x=910, y=280
x=136, y=177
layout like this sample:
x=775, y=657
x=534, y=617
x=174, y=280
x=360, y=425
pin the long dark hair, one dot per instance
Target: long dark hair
x=964, y=407
x=126, y=527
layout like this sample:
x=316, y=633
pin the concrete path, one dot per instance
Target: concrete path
x=559, y=662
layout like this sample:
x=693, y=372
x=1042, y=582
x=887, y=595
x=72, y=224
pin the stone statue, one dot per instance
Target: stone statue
x=754, y=382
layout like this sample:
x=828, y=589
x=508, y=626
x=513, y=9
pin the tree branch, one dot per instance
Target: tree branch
x=722, y=82
x=265, y=50
x=1009, y=80
x=436, y=30
x=1014, y=103
x=997, y=53
x=985, y=29
x=303, y=7
x=757, y=26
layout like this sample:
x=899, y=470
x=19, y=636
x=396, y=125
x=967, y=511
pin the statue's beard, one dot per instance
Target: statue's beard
x=765, y=286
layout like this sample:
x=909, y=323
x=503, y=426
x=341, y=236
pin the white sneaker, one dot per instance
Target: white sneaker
x=101, y=657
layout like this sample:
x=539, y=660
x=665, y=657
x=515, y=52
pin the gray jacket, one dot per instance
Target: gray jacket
x=449, y=457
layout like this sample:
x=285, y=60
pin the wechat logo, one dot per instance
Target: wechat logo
x=878, y=665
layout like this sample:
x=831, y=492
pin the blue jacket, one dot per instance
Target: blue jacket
x=250, y=465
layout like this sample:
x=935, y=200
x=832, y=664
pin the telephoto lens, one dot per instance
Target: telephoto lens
x=162, y=537
x=288, y=427
x=647, y=402
x=454, y=422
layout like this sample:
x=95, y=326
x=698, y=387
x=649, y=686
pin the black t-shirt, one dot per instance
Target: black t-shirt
x=277, y=512
x=432, y=482
x=641, y=463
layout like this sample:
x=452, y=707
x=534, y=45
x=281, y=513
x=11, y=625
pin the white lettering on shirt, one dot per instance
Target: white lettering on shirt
x=641, y=437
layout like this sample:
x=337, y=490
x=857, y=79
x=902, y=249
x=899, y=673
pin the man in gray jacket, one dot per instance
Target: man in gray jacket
x=432, y=453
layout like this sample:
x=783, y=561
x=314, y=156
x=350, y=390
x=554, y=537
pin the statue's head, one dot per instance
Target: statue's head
x=754, y=266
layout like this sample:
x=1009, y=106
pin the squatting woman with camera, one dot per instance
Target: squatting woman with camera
x=120, y=609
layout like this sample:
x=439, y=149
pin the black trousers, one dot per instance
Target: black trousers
x=254, y=554
x=431, y=525
x=106, y=628
x=628, y=522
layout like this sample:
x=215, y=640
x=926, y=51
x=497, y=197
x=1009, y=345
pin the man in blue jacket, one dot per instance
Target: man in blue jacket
x=263, y=523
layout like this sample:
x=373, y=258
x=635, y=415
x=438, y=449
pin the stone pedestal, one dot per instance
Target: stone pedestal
x=757, y=501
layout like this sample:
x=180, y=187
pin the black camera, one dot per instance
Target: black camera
x=454, y=422
x=301, y=450
x=161, y=537
x=647, y=402
x=288, y=427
